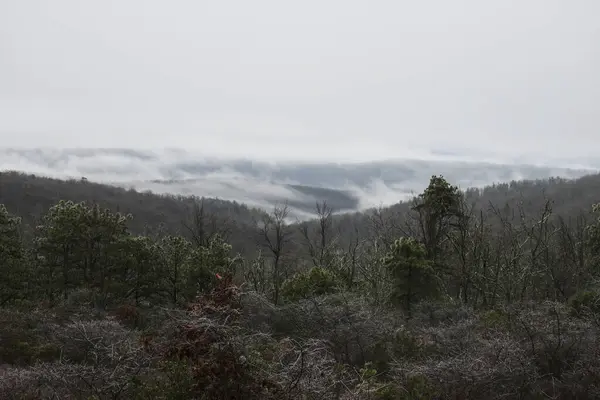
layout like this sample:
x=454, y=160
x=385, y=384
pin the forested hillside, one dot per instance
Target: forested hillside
x=477, y=294
x=29, y=197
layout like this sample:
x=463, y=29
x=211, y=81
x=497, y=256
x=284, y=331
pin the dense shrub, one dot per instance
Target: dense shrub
x=24, y=338
x=586, y=302
x=314, y=282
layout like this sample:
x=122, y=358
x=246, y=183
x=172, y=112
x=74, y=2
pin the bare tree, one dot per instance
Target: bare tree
x=571, y=271
x=204, y=225
x=509, y=251
x=383, y=224
x=353, y=256
x=539, y=233
x=275, y=235
x=461, y=239
x=320, y=242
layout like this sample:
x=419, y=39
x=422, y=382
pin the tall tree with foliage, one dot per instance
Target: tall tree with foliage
x=104, y=262
x=593, y=240
x=206, y=262
x=79, y=246
x=13, y=270
x=141, y=260
x=174, y=253
x=57, y=240
x=437, y=210
x=412, y=274
x=436, y=207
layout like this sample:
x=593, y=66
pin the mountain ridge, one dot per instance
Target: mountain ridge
x=346, y=186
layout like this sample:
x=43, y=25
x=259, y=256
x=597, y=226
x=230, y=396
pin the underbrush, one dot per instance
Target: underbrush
x=232, y=345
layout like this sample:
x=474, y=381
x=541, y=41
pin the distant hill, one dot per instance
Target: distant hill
x=29, y=197
x=345, y=186
x=571, y=200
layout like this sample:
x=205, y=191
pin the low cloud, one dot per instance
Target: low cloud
x=345, y=186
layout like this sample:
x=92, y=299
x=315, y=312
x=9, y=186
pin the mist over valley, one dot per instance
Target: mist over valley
x=344, y=186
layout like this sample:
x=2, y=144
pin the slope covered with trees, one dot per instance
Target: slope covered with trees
x=29, y=196
x=483, y=294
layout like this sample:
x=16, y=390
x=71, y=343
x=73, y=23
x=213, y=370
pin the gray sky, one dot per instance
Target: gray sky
x=328, y=80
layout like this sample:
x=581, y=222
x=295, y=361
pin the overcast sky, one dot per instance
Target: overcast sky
x=306, y=79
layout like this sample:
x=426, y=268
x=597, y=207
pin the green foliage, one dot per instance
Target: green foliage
x=141, y=260
x=77, y=245
x=586, y=302
x=496, y=319
x=174, y=254
x=412, y=274
x=10, y=240
x=418, y=387
x=371, y=385
x=440, y=197
x=81, y=246
x=406, y=345
x=314, y=282
x=14, y=272
x=368, y=380
x=436, y=207
x=173, y=380
x=23, y=340
x=402, y=344
x=205, y=262
x=257, y=274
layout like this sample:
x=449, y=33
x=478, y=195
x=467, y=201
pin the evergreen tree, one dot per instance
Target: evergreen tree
x=413, y=277
x=13, y=267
